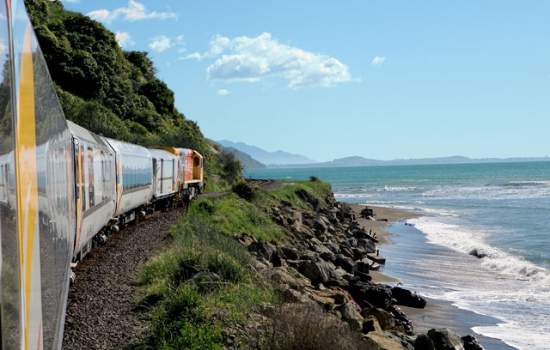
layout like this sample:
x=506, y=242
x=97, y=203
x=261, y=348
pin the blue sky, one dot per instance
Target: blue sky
x=380, y=79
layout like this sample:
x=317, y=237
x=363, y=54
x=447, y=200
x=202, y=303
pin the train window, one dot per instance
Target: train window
x=81, y=181
x=91, y=179
x=104, y=176
x=136, y=172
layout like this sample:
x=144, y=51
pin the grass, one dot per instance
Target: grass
x=201, y=285
x=205, y=282
x=287, y=190
x=231, y=215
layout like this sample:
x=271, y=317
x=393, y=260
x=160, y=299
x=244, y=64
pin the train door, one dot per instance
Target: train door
x=79, y=188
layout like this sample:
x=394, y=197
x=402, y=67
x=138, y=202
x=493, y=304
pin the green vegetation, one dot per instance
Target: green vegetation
x=202, y=285
x=116, y=93
x=288, y=191
x=205, y=283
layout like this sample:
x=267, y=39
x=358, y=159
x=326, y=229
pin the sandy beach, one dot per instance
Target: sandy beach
x=384, y=216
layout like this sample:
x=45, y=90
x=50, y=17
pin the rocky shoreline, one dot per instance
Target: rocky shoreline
x=330, y=259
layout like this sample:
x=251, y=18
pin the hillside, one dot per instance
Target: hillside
x=267, y=157
x=246, y=161
x=112, y=92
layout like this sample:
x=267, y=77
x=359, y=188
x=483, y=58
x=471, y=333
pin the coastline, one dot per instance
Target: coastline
x=437, y=313
x=385, y=217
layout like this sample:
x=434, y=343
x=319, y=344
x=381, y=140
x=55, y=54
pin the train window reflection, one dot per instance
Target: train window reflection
x=136, y=172
x=91, y=188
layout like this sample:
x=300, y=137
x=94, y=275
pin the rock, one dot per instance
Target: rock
x=407, y=298
x=371, y=325
x=478, y=253
x=367, y=244
x=263, y=249
x=352, y=315
x=344, y=262
x=289, y=252
x=385, y=319
x=366, y=213
x=246, y=240
x=293, y=279
x=423, y=342
x=444, y=339
x=471, y=343
x=317, y=272
x=293, y=296
x=376, y=258
x=308, y=198
x=377, y=295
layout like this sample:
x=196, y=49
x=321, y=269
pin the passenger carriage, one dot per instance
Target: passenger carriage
x=134, y=180
x=95, y=179
x=165, y=175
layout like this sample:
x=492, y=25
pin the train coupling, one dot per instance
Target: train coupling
x=72, y=275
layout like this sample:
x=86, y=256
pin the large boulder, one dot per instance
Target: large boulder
x=407, y=298
x=263, y=249
x=423, y=342
x=316, y=271
x=471, y=343
x=289, y=252
x=351, y=313
x=478, y=253
x=367, y=213
x=344, y=262
x=444, y=339
x=373, y=294
x=385, y=319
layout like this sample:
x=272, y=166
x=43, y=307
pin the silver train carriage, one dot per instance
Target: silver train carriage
x=134, y=179
x=95, y=177
x=165, y=174
x=36, y=192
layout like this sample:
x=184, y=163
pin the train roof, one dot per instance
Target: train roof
x=128, y=148
x=160, y=153
x=83, y=134
x=178, y=151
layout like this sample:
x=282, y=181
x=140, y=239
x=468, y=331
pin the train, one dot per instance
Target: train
x=118, y=182
x=63, y=189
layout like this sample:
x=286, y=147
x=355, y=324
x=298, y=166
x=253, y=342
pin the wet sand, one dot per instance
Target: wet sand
x=384, y=217
x=438, y=313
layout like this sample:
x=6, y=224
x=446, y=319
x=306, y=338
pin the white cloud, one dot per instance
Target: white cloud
x=378, y=60
x=223, y=92
x=124, y=39
x=135, y=11
x=162, y=43
x=72, y=1
x=251, y=59
x=100, y=15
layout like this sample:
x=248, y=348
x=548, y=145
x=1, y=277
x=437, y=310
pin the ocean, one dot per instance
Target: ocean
x=501, y=209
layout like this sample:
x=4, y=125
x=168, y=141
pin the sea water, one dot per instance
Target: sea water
x=501, y=209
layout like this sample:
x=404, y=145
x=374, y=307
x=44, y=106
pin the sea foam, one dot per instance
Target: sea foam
x=512, y=289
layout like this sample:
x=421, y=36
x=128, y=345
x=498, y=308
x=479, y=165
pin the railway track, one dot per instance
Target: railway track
x=101, y=312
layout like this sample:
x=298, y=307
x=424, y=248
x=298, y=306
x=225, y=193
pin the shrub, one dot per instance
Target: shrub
x=308, y=327
x=244, y=190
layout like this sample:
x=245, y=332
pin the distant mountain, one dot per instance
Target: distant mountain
x=247, y=161
x=267, y=157
x=360, y=161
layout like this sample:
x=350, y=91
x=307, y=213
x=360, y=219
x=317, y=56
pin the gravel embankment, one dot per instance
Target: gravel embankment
x=101, y=311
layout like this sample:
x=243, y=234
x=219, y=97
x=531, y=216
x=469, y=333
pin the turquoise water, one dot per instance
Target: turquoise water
x=502, y=209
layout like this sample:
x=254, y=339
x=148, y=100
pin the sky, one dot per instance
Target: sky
x=381, y=79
